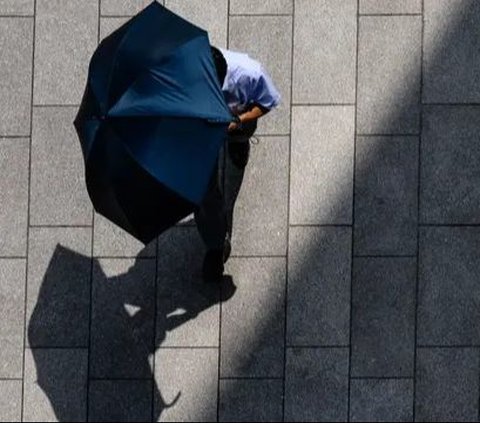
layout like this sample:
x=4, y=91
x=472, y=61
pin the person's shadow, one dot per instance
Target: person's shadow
x=117, y=356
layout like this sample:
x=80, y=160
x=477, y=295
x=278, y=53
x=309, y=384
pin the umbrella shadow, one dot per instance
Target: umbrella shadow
x=113, y=347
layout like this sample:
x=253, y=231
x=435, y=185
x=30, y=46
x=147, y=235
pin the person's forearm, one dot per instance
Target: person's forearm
x=253, y=114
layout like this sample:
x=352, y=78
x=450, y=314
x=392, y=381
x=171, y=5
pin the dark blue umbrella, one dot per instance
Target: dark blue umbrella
x=152, y=121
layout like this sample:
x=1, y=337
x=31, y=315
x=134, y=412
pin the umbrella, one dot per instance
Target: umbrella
x=152, y=121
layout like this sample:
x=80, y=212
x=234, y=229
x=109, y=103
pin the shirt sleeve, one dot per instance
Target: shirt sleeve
x=263, y=90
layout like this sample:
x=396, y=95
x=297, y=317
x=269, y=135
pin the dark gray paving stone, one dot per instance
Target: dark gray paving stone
x=252, y=7
x=10, y=400
x=316, y=384
x=386, y=196
x=447, y=385
x=123, y=7
x=390, y=6
x=383, y=319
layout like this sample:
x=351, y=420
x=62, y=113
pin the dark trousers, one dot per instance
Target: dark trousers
x=214, y=217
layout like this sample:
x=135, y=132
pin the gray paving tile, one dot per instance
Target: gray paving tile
x=386, y=185
x=16, y=43
x=110, y=24
x=109, y=240
x=58, y=193
x=14, y=195
x=55, y=385
x=122, y=333
x=450, y=52
x=123, y=7
x=252, y=332
x=58, y=292
x=383, y=319
x=10, y=400
x=447, y=384
x=12, y=300
x=390, y=6
x=316, y=384
x=16, y=7
x=247, y=34
x=251, y=400
x=381, y=400
x=450, y=165
x=326, y=74
x=188, y=314
x=120, y=401
x=321, y=173
x=189, y=376
x=389, y=66
x=260, y=214
x=319, y=286
x=210, y=15
x=448, y=296
x=65, y=39
x=252, y=7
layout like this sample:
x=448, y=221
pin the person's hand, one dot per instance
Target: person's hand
x=232, y=126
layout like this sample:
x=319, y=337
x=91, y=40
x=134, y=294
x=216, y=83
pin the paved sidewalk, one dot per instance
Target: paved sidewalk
x=354, y=289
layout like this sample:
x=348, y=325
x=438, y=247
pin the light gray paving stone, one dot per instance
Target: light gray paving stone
x=321, y=173
x=450, y=165
x=122, y=328
x=58, y=192
x=252, y=330
x=383, y=317
x=448, y=290
x=247, y=34
x=191, y=375
x=251, y=400
x=252, y=7
x=386, y=195
x=390, y=6
x=10, y=400
x=17, y=7
x=324, y=71
x=450, y=51
x=58, y=292
x=210, y=15
x=123, y=7
x=260, y=213
x=318, y=308
x=447, y=385
x=65, y=38
x=316, y=384
x=14, y=195
x=55, y=385
x=389, y=65
x=12, y=300
x=381, y=400
x=16, y=43
x=110, y=24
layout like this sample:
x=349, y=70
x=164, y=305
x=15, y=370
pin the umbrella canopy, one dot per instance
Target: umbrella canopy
x=152, y=121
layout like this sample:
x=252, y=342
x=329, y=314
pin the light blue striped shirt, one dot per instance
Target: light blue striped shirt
x=247, y=82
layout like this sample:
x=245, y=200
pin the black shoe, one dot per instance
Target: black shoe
x=212, y=270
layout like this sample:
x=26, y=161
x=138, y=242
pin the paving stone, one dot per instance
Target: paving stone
x=58, y=193
x=10, y=400
x=390, y=6
x=247, y=34
x=14, y=195
x=110, y=24
x=252, y=7
x=16, y=43
x=450, y=165
x=122, y=329
x=251, y=400
x=58, y=293
x=316, y=384
x=386, y=185
x=321, y=172
x=16, y=7
x=450, y=51
x=252, y=331
x=319, y=286
x=66, y=34
x=448, y=292
x=381, y=400
x=447, y=385
x=383, y=317
x=123, y=7
x=188, y=378
x=326, y=74
x=55, y=385
x=389, y=67
x=12, y=300
x=120, y=401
